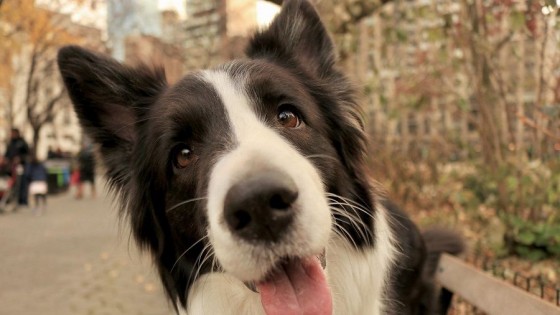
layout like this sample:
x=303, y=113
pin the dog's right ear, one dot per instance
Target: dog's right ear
x=110, y=99
x=296, y=34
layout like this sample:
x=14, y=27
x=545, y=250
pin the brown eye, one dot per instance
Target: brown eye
x=183, y=156
x=288, y=117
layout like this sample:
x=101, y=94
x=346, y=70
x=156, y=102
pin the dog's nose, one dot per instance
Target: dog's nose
x=261, y=207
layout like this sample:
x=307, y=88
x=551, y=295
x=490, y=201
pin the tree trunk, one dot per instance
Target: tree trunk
x=35, y=140
x=485, y=95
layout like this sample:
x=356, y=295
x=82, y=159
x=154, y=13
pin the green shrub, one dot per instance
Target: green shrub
x=533, y=240
x=521, y=197
x=527, y=199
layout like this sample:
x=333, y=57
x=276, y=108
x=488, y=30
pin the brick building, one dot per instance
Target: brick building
x=217, y=30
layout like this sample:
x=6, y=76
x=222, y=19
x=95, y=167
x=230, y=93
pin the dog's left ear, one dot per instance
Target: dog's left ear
x=296, y=34
x=110, y=100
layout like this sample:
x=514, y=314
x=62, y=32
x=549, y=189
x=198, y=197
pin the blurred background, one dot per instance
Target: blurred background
x=461, y=100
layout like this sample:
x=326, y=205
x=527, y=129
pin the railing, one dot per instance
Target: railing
x=492, y=295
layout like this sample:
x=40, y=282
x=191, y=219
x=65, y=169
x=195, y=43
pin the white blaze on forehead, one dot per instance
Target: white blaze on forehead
x=258, y=148
x=237, y=104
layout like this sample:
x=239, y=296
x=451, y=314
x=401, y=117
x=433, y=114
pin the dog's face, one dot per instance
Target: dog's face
x=265, y=198
x=238, y=141
x=233, y=168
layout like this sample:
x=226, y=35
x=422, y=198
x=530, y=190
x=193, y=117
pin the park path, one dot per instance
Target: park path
x=75, y=259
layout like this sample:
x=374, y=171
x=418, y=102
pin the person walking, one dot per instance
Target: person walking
x=36, y=174
x=86, y=166
x=17, y=153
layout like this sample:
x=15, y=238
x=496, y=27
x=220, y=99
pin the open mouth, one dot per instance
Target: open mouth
x=296, y=286
x=251, y=285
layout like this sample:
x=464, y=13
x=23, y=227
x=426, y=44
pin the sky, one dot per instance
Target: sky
x=266, y=11
x=177, y=5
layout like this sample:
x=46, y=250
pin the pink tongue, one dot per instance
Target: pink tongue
x=300, y=288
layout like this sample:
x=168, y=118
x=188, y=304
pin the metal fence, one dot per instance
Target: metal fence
x=537, y=285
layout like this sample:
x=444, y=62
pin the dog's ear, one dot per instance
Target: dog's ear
x=109, y=99
x=296, y=34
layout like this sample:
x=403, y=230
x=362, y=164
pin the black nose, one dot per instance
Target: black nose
x=260, y=208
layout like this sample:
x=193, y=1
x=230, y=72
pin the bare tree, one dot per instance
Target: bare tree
x=43, y=97
x=38, y=34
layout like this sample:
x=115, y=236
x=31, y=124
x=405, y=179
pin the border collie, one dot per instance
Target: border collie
x=247, y=182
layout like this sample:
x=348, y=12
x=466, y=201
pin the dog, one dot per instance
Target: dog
x=248, y=182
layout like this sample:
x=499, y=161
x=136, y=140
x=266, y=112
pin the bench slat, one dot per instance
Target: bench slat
x=489, y=294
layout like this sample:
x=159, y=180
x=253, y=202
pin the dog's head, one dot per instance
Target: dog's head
x=237, y=168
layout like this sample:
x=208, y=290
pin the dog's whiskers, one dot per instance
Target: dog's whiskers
x=209, y=254
x=337, y=228
x=185, y=252
x=185, y=202
x=361, y=209
x=359, y=230
x=354, y=208
x=355, y=220
x=344, y=205
x=200, y=261
x=351, y=203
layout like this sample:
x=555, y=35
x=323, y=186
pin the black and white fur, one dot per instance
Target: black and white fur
x=226, y=119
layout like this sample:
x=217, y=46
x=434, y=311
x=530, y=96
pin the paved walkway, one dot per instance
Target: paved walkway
x=75, y=259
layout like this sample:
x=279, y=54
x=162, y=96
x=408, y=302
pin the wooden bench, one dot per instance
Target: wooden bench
x=489, y=294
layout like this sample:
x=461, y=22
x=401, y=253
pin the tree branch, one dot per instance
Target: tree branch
x=49, y=110
x=31, y=87
x=502, y=43
x=531, y=123
x=366, y=8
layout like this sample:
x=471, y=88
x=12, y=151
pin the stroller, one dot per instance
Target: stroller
x=8, y=191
